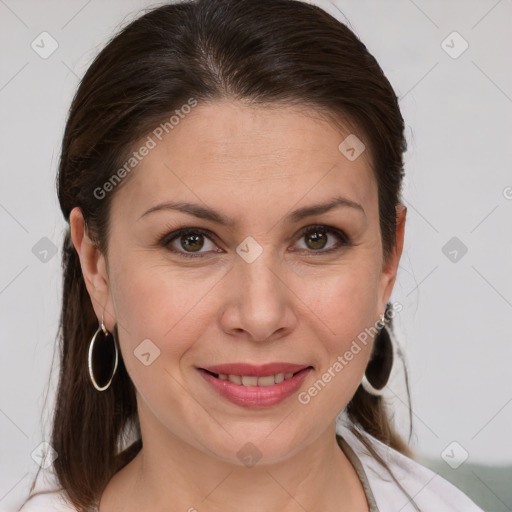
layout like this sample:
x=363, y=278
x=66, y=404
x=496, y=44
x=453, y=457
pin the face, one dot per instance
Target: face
x=256, y=279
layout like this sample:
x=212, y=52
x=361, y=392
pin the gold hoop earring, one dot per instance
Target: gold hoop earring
x=102, y=358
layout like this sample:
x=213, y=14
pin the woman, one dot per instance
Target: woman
x=231, y=173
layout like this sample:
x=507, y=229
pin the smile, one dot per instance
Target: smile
x=255, y=391
x=248, y=380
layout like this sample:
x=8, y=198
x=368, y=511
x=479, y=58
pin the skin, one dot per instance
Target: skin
x=291, y=304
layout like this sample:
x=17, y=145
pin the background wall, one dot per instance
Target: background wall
x=449, y=62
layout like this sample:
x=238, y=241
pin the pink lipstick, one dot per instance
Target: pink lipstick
x=255, y=386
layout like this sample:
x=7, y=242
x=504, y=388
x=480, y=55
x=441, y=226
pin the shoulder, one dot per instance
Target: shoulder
x=430, y=491
x=48, y=501
x=47, y=496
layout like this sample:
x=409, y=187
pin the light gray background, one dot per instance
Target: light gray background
x=456, y=324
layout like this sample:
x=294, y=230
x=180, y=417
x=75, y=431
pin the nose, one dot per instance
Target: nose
x=259, y=303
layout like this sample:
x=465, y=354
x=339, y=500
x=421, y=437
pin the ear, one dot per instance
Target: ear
x=390, y=267
x=94, y=269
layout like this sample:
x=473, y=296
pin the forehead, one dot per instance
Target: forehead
x=242, y=156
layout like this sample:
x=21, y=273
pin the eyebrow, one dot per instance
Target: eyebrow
x=207, y=213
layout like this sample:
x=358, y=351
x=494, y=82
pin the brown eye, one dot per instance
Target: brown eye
x=316, y=239
x=186, y=242
x=192, y=242
x=322, y=239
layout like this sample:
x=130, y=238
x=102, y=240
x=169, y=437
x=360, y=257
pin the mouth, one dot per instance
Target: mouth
x=255, y=387
x=252, y=380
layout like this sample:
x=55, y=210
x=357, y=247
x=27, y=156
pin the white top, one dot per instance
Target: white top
x=430, y=492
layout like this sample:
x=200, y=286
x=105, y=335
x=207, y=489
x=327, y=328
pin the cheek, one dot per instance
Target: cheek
x=156, y=302
x=344, y=310
x=344, y=300
x=163, y=307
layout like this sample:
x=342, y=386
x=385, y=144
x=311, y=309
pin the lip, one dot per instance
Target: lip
x=255, y=371
x=256, y=397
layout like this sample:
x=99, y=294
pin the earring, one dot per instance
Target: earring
x=378, y=370
x=102, y=358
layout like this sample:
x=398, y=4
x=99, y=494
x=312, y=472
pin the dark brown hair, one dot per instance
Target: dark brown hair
x=264, y=53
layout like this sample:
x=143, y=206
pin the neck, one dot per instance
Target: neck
x=170, y=475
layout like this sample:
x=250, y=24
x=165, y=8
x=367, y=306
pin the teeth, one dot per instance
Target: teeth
x=263, y=381
x=279, y=377
x=267, y=380
x=250, y=381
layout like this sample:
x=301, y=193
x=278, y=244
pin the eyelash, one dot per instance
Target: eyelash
x=344, y=239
